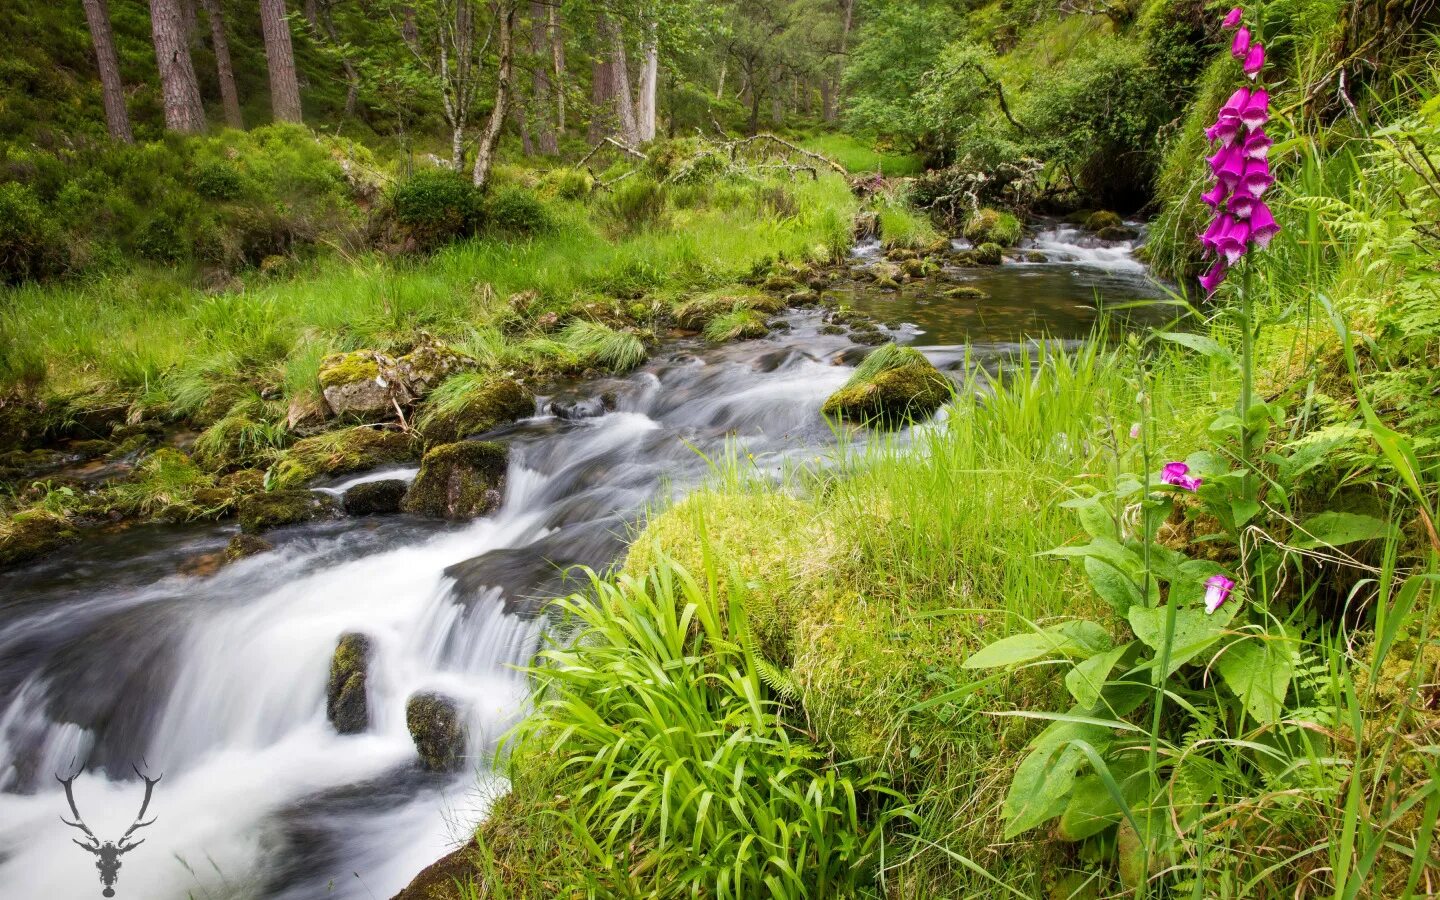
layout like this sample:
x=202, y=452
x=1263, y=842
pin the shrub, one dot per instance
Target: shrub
x=569, y=184
x=510, y=211
x=218, y=181
x=31, y=244
x=636, y=203
x=437, y=207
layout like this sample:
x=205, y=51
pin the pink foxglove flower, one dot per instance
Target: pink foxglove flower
x=1254, y=60
x=1263, y=226
x=1217, y=591
x=1177, y=474
x=1233, y=239
x=1211, y=238
x=1256, y=179
x=1232, y=18
x=1215, y=196
x=1256, y=145
x=1211, y=279
x=1256, y=111
x=1135, y=432
x=1241, y=45
x=1241, y=204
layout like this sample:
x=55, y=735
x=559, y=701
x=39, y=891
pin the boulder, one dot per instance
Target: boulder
x=892, y=387
x=989, y=226
x=914, y=268
x=459, y=481
x=966, y=292
x=346, y=705
x=476, y=404
x=341, y=452
x=430, y=363
x=573, y=410
x=243, y=545
x=455, y=876
x=375, y=498
x=780, y=283
x=900, y=254
x=355, y=384
x=988, y=255
x=33, y=533
x=1117, y=233
x=1101, y=219
x=869, y=336
x=437, y=730
x=259, y=512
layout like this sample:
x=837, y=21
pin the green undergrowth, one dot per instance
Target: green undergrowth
x=863, y=157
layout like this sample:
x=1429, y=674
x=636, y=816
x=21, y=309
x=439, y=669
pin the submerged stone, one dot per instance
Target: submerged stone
x=32, y=534
x=892, y=387
x=346, y=703
x=435, y=726
x=260, y=512
x=966, y=292
x=375, y=498
x=459, y=481
x=243, y=545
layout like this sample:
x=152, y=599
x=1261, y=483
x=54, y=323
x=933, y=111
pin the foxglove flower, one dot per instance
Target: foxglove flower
x=1257, y=145
x=1242, y=204
x=1217, y=591
x=1211, y=279
x=1215, y=196
x=1254, y=60
x=1263, y=226
x=1135, y=432
x=1241, y=45
x=1177, y=474
x=1256, y=111
x=1211, y=238
x=1256, y=179
x=1232, y=18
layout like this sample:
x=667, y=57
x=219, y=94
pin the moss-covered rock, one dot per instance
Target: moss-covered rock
x=340, y=452
x=473, y=404
x=1102, y=218
x=966, y=292
x=436, y=727
x=355, y=384
x=989, y=226
x=893, y=386
x=32, y=534
x=260, y=512
x=915, y=268
x=428, y=365
x=1117, y=233
x=346, y=704
x=456, y=875
x=375, y=498
x=869, y=337
x=243, y=545
x=988, y=255
x=832, y=329
x=900, y=254
x=459, y=481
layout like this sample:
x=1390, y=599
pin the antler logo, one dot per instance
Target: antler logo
x=108, y=853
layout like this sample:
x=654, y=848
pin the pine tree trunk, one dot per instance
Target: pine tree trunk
x=522, y=124
x=485, y=152
x=540, y=83
x=117, y=120
x=648, y=87
x=178, y=87
x=557, y=61
x=613, y=40
x=832, y=104
x=229, y=96
x=600, y=90
x=280, y=59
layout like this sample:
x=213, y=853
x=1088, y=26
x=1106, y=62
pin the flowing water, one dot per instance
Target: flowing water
x=112, y=660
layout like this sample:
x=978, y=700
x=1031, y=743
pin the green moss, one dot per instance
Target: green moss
x=339, y=452
x=988, y=255
x=989, y=226
x=374, y=498
x=436, y=727
x=459, y=481
x=470, y=403
x=348, y=368
x=346, y=703
x=966, y=292
x=168, y=484
x=33, y=533
x=243, y=545
x=1101, y=219
x=894, y=386
x=739, y=324
x=260, y=512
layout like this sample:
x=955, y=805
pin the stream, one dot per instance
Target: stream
x=111, y=659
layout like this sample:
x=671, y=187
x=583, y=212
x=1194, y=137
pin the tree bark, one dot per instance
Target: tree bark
x=117, y=119
x=229, y=96
x=557, y=61
x=832, y=104
x=647, y=88
x=613, y=95
x=540, y=82
x=485, y=152
x=178, y=87
x=720, y=87
x=522, y=123
x=280, y=60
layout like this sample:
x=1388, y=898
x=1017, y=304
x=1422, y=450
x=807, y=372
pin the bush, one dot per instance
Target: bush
x=636, y=203
x=31, y=244
x=437, y=207
x=568, y=184
x=218, y=181
x=511, y=211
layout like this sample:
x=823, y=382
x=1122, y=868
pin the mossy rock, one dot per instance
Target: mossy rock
x=33, y=533
x=260, y=512
x=832, y=329
x=884, y=272
x=966, y=292
x=1101, y=219
x=803, y=298
x=988, y=255
x=243, y=545
x=892, y=387
x=430, y=363
x=869, y=337
x=436, y=727
x=900, y=254
x=915, y=268
x=459, y=481
x=455, y=876
x=488, y=404
x=346, y=704
x=375, y=498
x=340, y=452
x=352, y=383
x=780, y=283
x=989, y=226
x=1117, y=233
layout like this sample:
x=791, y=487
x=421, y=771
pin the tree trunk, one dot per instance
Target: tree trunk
x=485, y=152
x=599, y=101
x=192, y=22
x=178, y=87
x=117, y=120
x=229, y=96
x=280, y=59
x=522, y=124
x=720, y=88
x=613, y=41
x=832, y=106
x=646, y=90
x=540, y=82
x=557, y=61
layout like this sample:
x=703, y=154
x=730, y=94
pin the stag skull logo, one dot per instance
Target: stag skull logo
x=107, y=853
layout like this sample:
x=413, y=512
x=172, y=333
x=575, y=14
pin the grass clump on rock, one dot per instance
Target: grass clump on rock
x=892, y=387
x=338, y=452
x=260, y=512
x=470, y=403
x=459, y=481
x=989, y=226
x=33, y=533
x=740, y=323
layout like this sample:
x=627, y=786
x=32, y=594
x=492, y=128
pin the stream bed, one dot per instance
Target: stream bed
x=112, y=660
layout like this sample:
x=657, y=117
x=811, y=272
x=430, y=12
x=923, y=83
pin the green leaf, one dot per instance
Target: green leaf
x=1205, y=346
x=1114, y=587
x=1332, y=529
x=1095, y=517
x=1194, y=630
x=1087, y=679
x=1041, y=787
x=1073, y=638
x=1259, y=671
x=1244, y=510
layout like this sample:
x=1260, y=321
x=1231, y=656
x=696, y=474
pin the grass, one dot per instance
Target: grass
x=860, y=156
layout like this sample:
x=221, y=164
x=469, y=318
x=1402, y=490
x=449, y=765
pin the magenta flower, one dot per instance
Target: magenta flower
x=1211, y=238
x=1232, y=18
x=1257, y=145
x=1215, y=196
x=1254, y=60
x=1178, y=475
x=1263, y=226
x=1135, y=432
x=1242, y=203
x=1256, y=178
x=1217, y=591
x=1233, y=239
x=1256, y=111
x=1241, y=45
x=1211, y=279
